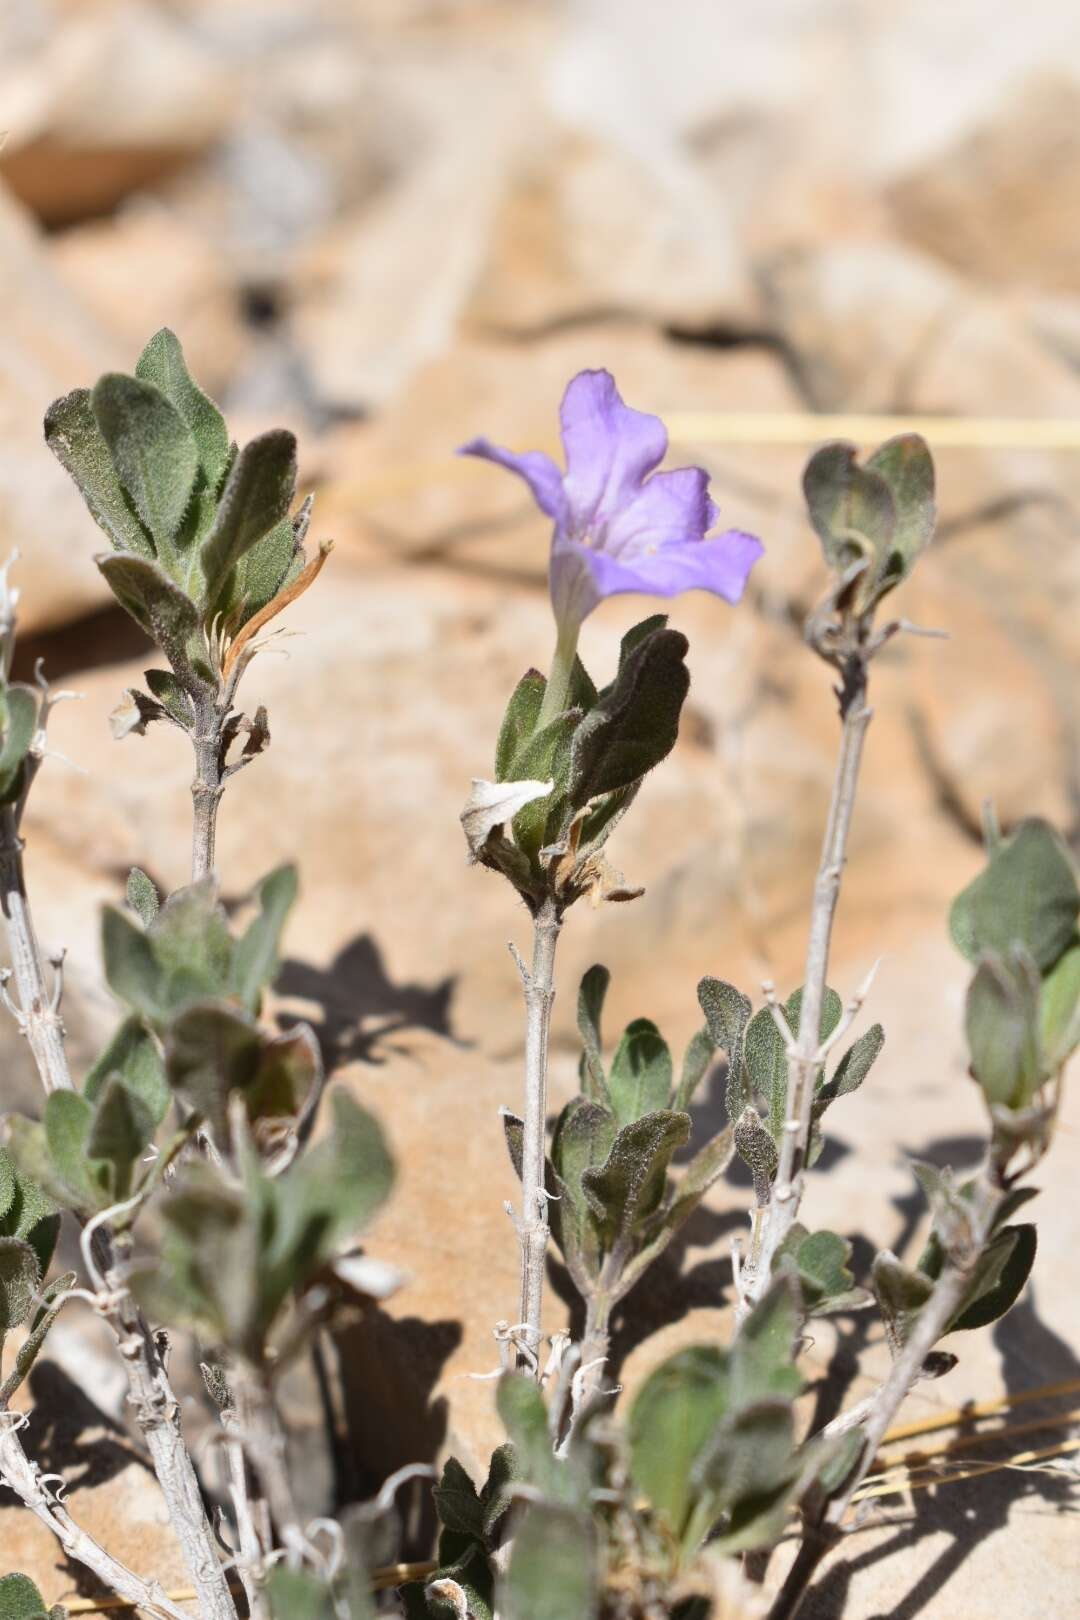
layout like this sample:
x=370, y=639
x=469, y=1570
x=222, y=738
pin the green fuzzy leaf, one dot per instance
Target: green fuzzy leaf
x=757, y=1150
x=184, y=956
x=464, y=1577
x=519, y=722
x=162, y=363
x=1027, y=895
x=762, y=1362
x=495, y=1496
x=819, y=1262
x=293, y=1594
x=347, y=1176
x=552, y=1573
x=120, y=1130
x=705, y=1168
x=635, y=722
x=191, y=943
x=28, y=1211
x=288, y=1077
x=1060, y=1008
x=525, y=1419
x=172, y=696
x=161, y=608
x=31, y=1346
x=29, y=1151
x=583, y=1139
x=853, y=513
x=601, y=819
x=8, y=1185
x=142, y=896
x=458, y=1502
x=33, y=1216
x=672, y=1420
x=514, y=1134
x=256, y=498
x=852, y=1069
x=21, y=1600
x=20, y=1278
x=637, y=634
x=152, y=450
x=131, y=968
x=727, y=1013
x=1002, y=1026
x=545, y=757
x=217, y=1272
x=133, y=1056
x=907, y=467
x=582, y=693
x=19, y=717
x=73, y=436
x=265, y=569
x=641, y=1073
x=67, y=1120
x=697, y=1060
x=766, y=1058
x=590, y=1006
x=629, y=1185
x=901, y=1295
x=255, y=959
x=1003, y=1269
x=748, y=1472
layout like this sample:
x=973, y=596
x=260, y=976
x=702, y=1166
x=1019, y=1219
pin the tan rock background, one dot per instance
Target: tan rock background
x=396, y=223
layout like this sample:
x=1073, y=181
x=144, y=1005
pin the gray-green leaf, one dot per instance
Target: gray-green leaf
x=152, y=449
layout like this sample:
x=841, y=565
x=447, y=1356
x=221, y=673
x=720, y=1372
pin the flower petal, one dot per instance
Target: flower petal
x=721, y=565
x=609, y=448
x=538, y=470
x=669, y=509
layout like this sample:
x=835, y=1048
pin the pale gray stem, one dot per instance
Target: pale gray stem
x=23, y=1477
x=878, y=1413
x=264, y=1444
x=533, y=1224
x=595, y=1346
x=250, y=1554
x=38, y=1010
x=157, y=1414
x=149, y=1391
x=207, y=786
x=802, y=1058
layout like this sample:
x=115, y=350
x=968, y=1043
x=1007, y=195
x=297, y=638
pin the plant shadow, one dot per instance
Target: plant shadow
x=359, y=1006
x=376, y=1375
x=68, y=1435
x=1033, y=1356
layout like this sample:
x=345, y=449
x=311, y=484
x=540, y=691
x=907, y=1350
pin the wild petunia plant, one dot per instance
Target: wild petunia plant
x=571, y=758
x=194, y=1106
x=201, y=1115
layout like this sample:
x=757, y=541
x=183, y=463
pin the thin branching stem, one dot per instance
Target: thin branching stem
x=803, y=1049
x=156, y=1408
x=24, y=1479
x=877, y=1415
x=207, y=786
x=539, y=983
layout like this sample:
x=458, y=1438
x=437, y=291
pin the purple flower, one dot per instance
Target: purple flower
x=619, y=524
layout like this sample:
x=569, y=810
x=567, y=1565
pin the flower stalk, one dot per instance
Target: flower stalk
x=532, y=1225
x=803, y=1056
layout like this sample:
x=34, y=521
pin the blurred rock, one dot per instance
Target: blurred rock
x=385, y=291
x=146, y=268
x=586, y=230
x=105, y=104
x=48, y=345
x=112, y=1493
x=1001, y=204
